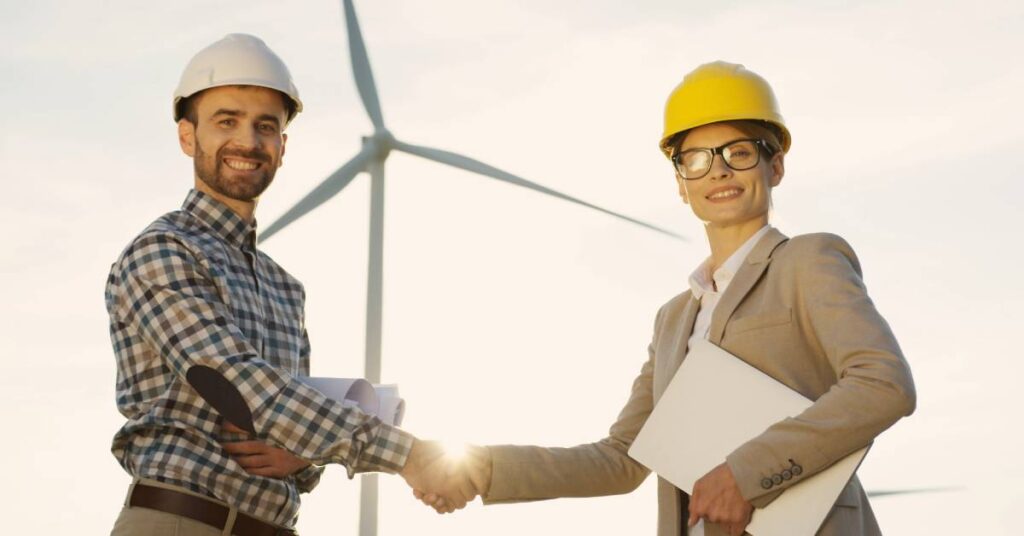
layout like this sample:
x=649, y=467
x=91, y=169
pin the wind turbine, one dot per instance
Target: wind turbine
x=891, y=492
x=371, y=158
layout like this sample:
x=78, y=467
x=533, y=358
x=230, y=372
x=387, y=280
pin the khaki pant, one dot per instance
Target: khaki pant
x=136, y=521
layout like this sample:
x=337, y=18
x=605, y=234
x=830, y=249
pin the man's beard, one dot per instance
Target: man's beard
x=212, y=173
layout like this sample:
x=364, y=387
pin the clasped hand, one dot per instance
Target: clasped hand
x=438, y=479
x=259, y=458
x=446, y=482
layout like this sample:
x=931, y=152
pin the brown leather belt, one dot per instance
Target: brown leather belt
x=201, y=510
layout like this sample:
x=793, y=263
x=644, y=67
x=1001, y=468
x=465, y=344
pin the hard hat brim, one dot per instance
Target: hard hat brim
x=785, y=138
x=179, y=112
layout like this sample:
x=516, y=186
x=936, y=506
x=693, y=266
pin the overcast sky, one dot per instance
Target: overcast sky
x=511, y=317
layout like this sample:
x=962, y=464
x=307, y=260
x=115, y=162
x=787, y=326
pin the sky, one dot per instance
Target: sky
x=510, y=317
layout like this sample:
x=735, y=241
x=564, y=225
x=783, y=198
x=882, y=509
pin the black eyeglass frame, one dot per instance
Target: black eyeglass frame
x=719, y=151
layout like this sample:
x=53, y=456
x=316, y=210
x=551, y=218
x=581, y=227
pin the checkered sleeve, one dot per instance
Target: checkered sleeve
x=174, y=298
x=308, y=478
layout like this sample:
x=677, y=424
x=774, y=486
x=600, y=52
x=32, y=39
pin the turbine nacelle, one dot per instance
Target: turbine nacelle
x=380, y=144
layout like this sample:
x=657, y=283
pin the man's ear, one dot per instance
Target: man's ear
x=284, y=143
x=778, y=168
x=187, y=137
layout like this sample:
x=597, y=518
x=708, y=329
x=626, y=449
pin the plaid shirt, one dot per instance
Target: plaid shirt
x=192, y=289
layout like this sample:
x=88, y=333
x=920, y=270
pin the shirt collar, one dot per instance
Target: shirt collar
x=221, y=219
x=701, y=281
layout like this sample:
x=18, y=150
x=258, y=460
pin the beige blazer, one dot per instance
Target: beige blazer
x=798, y=310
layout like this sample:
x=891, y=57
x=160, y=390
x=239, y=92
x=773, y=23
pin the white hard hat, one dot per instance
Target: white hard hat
x=236, y=60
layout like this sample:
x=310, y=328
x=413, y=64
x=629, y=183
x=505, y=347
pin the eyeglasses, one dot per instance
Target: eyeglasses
x=739, y=155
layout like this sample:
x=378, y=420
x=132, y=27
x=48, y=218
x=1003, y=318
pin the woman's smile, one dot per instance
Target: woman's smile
x=724, y=193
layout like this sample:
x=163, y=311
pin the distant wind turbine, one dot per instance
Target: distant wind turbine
x=914, y=491
x=375, y=151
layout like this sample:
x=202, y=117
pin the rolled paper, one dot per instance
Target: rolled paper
x=392, y=406
x=392, y=410
x=348, y=391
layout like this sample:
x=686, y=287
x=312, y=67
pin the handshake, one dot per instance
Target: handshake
x=446, y=480
x=442, y=479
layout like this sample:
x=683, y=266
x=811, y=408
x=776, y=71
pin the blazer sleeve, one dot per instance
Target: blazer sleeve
x=528, y=473
x=874, y=387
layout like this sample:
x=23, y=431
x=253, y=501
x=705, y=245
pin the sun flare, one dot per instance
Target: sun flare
x=454, y=450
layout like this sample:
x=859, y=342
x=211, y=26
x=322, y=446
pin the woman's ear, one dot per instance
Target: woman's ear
x=778, y=168
x=682, y=188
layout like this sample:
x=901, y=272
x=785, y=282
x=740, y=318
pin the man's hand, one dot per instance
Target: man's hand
x=445, y=483
x=474, y=464
x=261, y=459
x=717, y=498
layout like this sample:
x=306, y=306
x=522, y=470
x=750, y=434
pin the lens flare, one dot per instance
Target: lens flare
x=454, y=451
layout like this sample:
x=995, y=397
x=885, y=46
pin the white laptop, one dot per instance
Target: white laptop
x=700, y=420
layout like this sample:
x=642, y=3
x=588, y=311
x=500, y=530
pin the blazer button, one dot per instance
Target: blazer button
x=787, y=474
x=796, y=470
x=766, y=483
x=776, y=479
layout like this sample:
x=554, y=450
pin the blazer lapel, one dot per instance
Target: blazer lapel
x=678, y=348
x=744, y=280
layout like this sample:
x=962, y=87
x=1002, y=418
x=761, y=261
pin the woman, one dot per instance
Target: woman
x=795, y=308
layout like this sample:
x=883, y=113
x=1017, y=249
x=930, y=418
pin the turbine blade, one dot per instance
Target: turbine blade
x=327, y=189
x=361, y=67
x=890, y=492
x=476, y=166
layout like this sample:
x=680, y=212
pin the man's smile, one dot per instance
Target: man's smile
x=241, y=165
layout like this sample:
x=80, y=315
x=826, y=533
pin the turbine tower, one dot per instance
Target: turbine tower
x=370, y=159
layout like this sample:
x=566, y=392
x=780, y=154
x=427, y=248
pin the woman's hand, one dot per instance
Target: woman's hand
x=261, y=459
x=717, y=498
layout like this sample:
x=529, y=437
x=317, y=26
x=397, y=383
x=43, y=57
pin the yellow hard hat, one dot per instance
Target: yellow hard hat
x=720, y=91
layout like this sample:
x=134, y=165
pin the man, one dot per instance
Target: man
x=209, y=333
